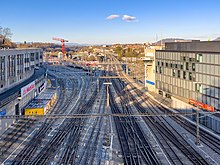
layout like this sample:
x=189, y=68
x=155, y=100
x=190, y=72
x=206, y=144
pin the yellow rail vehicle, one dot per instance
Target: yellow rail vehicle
x=37, y=107
x=41, y=104
x=34, y=111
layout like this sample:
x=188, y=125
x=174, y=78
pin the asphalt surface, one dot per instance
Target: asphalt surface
x=38, y=73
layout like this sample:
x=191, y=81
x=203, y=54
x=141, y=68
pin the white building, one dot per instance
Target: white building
x=17, y=65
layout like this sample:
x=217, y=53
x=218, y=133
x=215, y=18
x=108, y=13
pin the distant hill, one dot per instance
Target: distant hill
x=163, y=41
x=217, y=39
x=75, y=44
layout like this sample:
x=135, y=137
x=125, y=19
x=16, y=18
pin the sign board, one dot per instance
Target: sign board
x=150, y=82
x=150, y=54
x=3, y=112
x=107, y=83
x=27, y=89
x=41, y=88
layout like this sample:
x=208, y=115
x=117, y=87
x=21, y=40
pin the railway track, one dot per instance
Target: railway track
x=135, y=147
x=13, y=134
x=207, y=138
x=88, y=153
x=27, y=124
x=30, y=149
x=69, y=156
x=165, y=133
x=68, y=125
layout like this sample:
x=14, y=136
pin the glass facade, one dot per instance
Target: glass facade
x=184, y=68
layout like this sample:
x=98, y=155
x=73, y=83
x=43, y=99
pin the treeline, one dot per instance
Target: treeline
x=37, y=45
x=129, y=52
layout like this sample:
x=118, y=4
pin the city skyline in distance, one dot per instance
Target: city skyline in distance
x=109, y=22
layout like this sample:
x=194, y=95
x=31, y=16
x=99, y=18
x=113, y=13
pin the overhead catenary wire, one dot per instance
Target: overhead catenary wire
x=58, y=116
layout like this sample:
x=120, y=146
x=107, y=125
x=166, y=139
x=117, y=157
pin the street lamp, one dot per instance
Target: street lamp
x=197, y=116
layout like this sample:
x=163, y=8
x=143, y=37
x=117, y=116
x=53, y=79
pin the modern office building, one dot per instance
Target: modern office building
x=16, y=65
x=190, y=70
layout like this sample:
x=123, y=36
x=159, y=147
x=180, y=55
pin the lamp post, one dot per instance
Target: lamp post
x=197, y=116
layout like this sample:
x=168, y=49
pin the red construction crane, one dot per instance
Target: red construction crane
x=63, y=43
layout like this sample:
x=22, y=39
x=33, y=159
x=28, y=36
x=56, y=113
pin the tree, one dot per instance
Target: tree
x=120, y=52
x=91, y=58
x=5, y=35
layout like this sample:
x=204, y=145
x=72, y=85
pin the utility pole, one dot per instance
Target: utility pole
x=108, y=108
x=90, y=73
x=197, y=117
x=107, y=93
x=98, y=84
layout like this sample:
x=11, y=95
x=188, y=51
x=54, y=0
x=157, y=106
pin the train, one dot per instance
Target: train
x=41, y=104
x=201, y=105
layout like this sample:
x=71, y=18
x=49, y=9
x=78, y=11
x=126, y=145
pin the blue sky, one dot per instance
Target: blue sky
x=84, y=21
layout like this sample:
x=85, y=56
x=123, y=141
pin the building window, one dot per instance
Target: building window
x=181, y=66
x=37, y=56
x=2, y=68
x=190, y=76
x=187, y=66
x=171, y=65
x=174, y=72
x=26, y=60
x=199, y=58
x=166, y=64
x=41, y=55
x=158, y=63
x=184, y=75
x=32, y=56
x=193, y=66
x=190, y=59
x=162, y=63
x=178, y=74
x=184, y=58
x=175, y=65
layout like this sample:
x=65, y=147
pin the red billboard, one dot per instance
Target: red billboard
x=27, y=89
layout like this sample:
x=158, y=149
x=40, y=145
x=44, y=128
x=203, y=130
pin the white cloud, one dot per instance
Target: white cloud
x=128, y=18
x=113, y=16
